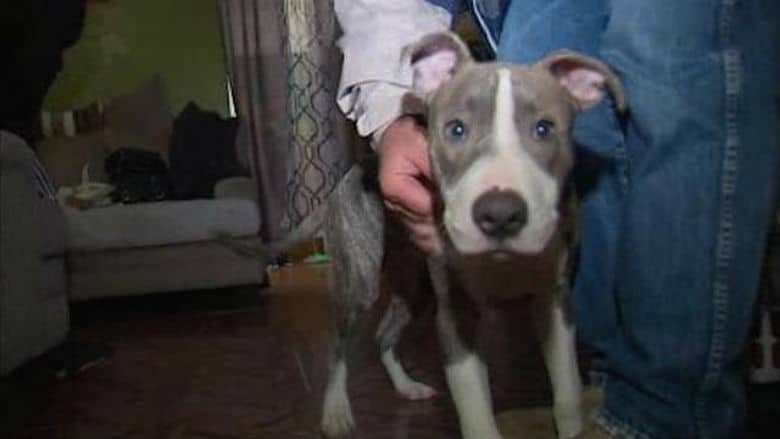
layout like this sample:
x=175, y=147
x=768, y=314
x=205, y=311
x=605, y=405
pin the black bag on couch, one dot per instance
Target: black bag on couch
x=138, y=175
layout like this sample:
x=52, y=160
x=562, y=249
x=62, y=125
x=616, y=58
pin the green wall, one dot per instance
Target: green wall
x=124, y=42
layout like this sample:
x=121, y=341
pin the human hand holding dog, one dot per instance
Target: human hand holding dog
x=405, y=181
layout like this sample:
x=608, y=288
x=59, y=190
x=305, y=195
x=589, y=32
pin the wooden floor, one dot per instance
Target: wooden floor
x=246, y=363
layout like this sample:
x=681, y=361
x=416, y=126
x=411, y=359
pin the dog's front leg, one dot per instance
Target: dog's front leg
x=465, y=371
x=555, y=330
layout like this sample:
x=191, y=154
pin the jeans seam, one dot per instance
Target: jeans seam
x=732, y=71
x=623, y=163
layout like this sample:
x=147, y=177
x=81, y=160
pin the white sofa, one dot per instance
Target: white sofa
x=162, y=246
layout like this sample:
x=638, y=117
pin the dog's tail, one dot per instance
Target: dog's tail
x=265, y=252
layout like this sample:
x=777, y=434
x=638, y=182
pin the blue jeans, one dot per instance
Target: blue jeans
x=677, y=198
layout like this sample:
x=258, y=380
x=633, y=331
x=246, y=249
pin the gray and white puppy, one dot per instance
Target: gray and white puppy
x=500, y=151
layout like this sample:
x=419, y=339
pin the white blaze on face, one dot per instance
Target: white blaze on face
x=507, y=166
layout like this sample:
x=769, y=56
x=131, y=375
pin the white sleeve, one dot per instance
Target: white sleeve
x=374, y=76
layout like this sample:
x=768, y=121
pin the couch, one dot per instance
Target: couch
x=147, y=247
x=33, y=300
x=162, y=246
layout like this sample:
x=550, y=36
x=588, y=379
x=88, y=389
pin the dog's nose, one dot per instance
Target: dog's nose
x=500, y=213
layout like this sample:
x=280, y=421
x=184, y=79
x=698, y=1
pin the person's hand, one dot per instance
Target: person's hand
x=405, y=181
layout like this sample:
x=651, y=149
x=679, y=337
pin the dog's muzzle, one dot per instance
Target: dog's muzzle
x=500, y=214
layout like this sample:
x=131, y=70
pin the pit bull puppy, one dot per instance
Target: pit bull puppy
x=500, y=151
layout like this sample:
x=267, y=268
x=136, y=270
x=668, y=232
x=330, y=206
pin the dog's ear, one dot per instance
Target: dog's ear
x=434, y=60
x=585, y=78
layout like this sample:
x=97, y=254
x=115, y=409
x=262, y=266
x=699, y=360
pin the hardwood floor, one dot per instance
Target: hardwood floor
x=246, y=363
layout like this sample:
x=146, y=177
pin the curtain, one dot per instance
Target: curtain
x=283, y=65
x=320, y=142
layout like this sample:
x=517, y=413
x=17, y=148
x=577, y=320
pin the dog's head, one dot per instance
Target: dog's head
x=500, y=138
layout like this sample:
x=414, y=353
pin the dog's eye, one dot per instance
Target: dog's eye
x=543, y=129
x=455, y=131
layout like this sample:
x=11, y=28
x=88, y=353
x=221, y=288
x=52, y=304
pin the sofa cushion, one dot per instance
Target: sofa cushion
x=242, y=188
x=140, y=119
x=160, y=223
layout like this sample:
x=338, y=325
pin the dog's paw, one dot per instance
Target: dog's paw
x=415, y=391
x=569, y=420
x=337, y=421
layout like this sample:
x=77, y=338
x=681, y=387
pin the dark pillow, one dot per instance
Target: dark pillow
x=202, y=152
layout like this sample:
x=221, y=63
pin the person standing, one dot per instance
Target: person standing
x=676, y=196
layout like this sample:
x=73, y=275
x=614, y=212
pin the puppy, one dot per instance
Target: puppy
x=500, y=151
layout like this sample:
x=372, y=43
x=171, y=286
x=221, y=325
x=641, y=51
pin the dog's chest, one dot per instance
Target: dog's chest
x=497, y=278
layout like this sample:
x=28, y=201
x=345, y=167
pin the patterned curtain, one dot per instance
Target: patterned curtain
x=320, y=142
x=284, y=66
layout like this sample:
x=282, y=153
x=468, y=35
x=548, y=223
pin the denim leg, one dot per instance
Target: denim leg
x=536, y=27
x=673, y=229
x=702, y=147
x=751, y=42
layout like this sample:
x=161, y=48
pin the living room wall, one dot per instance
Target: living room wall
x=124, y=42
